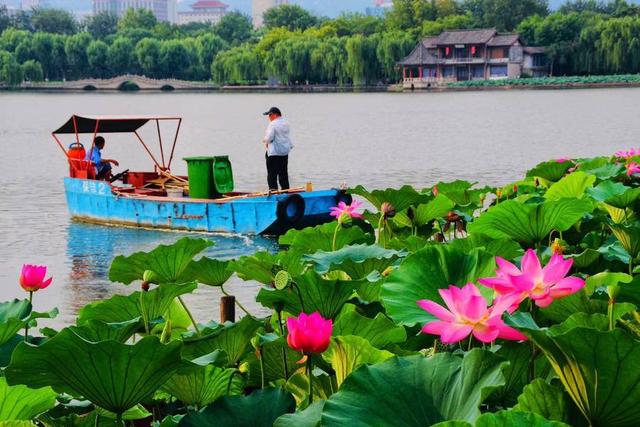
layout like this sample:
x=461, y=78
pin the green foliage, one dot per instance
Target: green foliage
x=19, y=402
x=55, y=21
x=289, y=16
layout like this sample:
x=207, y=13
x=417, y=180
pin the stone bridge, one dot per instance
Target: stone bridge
x=124, y=82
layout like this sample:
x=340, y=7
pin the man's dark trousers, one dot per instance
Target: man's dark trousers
x=277, y=171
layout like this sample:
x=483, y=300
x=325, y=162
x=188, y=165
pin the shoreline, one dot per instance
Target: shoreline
x=50, y=87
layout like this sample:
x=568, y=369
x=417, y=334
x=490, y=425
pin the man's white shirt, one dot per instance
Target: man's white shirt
x=278, y=138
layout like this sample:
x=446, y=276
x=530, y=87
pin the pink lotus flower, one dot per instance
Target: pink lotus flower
x=468, y=314
x=542, y=285
x=632, y=168
x=435, y=190
x=563, y=159
x=344, y=209
x=309, y=333
x=627, y=154
x=32, y=277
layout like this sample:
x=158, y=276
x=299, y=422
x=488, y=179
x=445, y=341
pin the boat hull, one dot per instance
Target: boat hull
x=94, y=201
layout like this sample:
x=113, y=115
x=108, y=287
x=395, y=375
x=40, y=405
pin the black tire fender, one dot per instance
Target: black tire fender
x=291, y=209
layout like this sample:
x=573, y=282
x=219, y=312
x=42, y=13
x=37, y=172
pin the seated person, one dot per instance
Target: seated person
x=102, y=166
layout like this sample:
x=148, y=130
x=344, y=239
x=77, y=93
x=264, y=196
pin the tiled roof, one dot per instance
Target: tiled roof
x=420, y=55
x=203, y=4
x=465, y=37
x=504, y=40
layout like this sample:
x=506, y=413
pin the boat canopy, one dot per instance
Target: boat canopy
x=107, y=124
x=78, y=125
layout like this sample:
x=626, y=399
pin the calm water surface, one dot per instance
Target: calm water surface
x=378, y=140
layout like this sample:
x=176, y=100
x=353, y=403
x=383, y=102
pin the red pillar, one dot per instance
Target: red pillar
x=421, y=72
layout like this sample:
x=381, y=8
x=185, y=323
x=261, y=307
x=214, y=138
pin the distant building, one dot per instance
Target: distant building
x=164, y=10
x=259, y=7
x=379, y=8
x=461, y=55
x=204, y=12
x=32, y=4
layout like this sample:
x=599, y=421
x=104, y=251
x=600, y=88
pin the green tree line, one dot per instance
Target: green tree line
x=295, y=47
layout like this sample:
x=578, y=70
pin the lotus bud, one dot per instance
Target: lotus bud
x=515, y=188
x=145, y=286
x=499, y=193
x=453, y=217
x=387, y=210
x=435, y=191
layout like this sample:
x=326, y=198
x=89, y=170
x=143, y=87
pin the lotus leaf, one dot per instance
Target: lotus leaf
x=510, y=418
x=358, y=261
x=233, y=339
x=423, y=273
x=550, y=170
x=573, y=185
x=15, y=315
x=415, y=391
x=599, y=369
x=310, y=417
x=121, y=308
x=606, y=190
x=505, y=248
x=97, y=330
x=260, y=408
x=112, y=375
x=272, y=363
x=380, y=331
x=263, y=266
x=209, y=271
x=460, y=192
x=530, y=222
x=199, y=386
x=629, y=237
x=316, y=294
x=585, y=258
x=605, y=279
x=400, y=198
x=516, y=373
x=19, y=402
x=425, y=213
x=544, y=399
x=320, y=238
x=169, y=262
x=347, y=353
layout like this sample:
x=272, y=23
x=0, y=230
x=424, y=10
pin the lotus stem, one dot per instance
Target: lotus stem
x=261, y=367
x=284, y=350
x=237, y=303
x=335, y=237
x=235, y=371
x=143, y=310
x=309, y=372
x=166, y=331
x=193, y=320
x=299, y=296
x=380, y=221
x=26, y=327
x=610, y=313
x=630, y=265
x=119, y=419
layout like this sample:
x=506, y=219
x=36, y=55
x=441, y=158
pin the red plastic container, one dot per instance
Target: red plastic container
x=139, y=179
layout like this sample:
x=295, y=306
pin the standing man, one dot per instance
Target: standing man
x=278, y=144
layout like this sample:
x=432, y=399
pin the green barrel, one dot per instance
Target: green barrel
x=222, y=175
x=201, y=184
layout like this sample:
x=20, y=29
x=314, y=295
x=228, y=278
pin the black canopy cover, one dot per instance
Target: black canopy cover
x=107, y=124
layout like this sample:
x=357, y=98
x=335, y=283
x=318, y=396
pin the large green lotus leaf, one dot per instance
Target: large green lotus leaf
x=347, y=353
x=7, y=348
x=121, y=308
x=358, y=261
x=233, y=339
x=530, y=222
x=425, y=213
x=138, y=412
x=516, y=419
x=460, y=192
x=211, y=272
x=628, y=236
x=199, y=386
x=585, y=258
x=97, y=330
x=423, y=273
x=168, y=262
x=320, y=238
x=379, y=331
x=551, y=170
x=112, y=375
x=599, y=369
x=400, y=198
x=573, y=185
x=310, y=417
x=260, y=409
x=409, y=243
x=606, y=190
x=272, y=363
x=563, y=308
x=415, y=391
x=505, y=247
x=15, y=315
x=625, y=199
x=263, y=266
x=604, y=280
x=317, y=294
x=19, y=402
x=544, y=399
x=516, y=373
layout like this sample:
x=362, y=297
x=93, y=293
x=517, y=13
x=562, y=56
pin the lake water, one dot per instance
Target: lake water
x=376, y=139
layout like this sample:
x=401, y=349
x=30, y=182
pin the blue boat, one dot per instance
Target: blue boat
x=159, y=199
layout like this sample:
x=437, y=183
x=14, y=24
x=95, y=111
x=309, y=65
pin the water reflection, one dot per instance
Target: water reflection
x=91, y=249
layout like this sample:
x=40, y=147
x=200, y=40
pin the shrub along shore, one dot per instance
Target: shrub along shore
x=454, y=305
